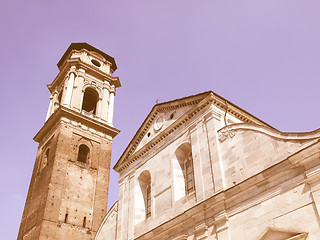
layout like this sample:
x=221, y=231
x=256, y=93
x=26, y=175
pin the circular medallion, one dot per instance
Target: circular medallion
x=158, y=123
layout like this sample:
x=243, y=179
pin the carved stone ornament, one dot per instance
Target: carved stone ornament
x=158, y=123
x=225, y=133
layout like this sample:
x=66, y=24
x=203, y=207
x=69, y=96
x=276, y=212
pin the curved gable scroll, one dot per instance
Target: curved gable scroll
x=108, y=227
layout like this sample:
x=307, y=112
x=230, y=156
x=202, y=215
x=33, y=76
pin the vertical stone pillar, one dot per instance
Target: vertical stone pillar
x=207, y=171
x=131, y=208
x=222, y=226
x=55, y=102
x=212, y=123
x=111, y=103
x=77, y=96
x=124, y=203
x=121, y=212
x=105, y=101
x=108, y=68
x=313, y=179
x=50, y=107
x=198, y=180
x=68, y=94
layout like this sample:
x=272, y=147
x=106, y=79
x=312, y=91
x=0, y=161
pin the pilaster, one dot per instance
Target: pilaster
x=111, y=105
x=105, y=101
x=69, y=90
x=212, y=122
x=197, y=163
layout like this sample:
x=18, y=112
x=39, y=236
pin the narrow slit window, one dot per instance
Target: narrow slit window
x=148, y=202
x=189, y=174
x=66, y=218
x=84, y=222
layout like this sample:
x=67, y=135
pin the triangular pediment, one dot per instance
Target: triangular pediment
x=162, y=120
x=168, y=116
x=283, y=234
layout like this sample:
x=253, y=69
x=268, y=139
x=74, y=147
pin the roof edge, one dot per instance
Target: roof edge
x=84, y=45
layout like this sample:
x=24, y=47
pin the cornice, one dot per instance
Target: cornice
x=88, y=70
x=306, y=155
x=75, y=116
x=231, y=130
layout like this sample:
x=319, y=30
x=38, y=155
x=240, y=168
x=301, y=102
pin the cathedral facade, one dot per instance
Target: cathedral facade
x=199, y=167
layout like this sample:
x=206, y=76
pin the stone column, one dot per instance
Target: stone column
x=50, y=108
x=309, y=159
x=197, y=164
x=222, y=226
x=77, y=96
x=108, y=68
x=121, y=210
x=124, y=195
x=212, y=123
x=206, y=160
x=111, y=103
x=105, y=101
x=131, y=208
x=68, y=94
x=313, y=179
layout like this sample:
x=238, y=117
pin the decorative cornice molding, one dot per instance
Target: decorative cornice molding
x=89, y=70
x=306, y=155
x=270, y=132
x=74, y=117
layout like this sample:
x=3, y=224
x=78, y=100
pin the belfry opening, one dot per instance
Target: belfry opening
x=90, y=100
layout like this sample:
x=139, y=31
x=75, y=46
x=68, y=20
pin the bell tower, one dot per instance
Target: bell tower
x=67, y=197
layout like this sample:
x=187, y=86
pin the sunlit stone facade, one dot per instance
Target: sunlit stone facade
x=247, y=180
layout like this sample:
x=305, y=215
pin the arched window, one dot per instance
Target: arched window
x=143, y=200
x=83, y=153
x=90, y=100
x=183, y=171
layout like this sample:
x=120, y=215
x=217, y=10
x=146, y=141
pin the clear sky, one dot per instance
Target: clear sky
x=264, y=56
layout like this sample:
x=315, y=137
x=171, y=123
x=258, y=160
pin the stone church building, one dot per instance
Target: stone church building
x=199, y=167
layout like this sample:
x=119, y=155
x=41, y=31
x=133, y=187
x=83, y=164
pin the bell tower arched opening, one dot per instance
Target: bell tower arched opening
x=90, y=100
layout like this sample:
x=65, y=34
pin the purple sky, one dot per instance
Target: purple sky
x=264, y=56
